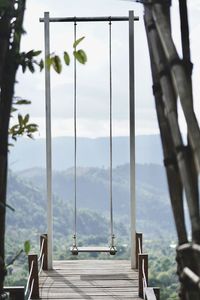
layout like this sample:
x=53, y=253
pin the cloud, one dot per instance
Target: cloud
x=93, y=78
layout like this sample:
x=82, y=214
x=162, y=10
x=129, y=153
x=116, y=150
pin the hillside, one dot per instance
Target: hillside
x=93, y=196
x=29, y=216
x=154, y=219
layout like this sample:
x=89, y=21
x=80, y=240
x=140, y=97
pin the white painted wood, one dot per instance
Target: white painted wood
x=132, y=138
x=48, y=142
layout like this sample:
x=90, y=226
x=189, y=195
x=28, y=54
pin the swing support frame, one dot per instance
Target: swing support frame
x=47, y=20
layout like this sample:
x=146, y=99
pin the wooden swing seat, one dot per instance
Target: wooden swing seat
x=76, y=250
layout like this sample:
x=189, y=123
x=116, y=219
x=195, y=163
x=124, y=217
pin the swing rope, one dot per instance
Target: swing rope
x=75, y=143
x=75, y=250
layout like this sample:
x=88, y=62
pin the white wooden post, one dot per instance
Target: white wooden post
x=48, y=143
x=132, y=138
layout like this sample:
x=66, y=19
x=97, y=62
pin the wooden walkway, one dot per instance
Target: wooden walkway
x=90, y=279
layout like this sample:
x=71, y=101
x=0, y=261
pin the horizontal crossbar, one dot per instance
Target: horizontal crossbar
x=89, y=19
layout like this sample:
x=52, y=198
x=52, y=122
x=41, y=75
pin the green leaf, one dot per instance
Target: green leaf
x=26, y=119
x=32, y=53
x=66, y=58
x=22, y=101
x=15, y=127
x=29, y=54
x=36, y=53
x=41, y=65
x=31, y=67
x=78, y=42
x=20, y=119
x=48, y=62
x=57, y=64
x=81, y=56
x=32, y=128
x=23, y=67
x=27, y=247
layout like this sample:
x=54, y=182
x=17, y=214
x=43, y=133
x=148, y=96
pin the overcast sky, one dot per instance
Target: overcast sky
x=93, y=78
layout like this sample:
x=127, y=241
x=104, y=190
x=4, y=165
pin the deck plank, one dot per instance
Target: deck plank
x=90, y=279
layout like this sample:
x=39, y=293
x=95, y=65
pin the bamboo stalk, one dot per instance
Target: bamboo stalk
x=169, y=78
x=180, y=79
x=173, y=176
x=169, y=98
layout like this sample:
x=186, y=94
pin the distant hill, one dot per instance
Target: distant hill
x=90, y=152
x=29, y=219
x=154, y=215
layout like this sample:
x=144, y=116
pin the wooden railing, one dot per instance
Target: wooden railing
x=145, y=292
x=15, y=292
x=36, y=265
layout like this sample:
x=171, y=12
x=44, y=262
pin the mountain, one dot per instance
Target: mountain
x=90, y=152
x=93, y=194
x=29, y=217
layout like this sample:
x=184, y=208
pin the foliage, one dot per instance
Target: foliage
x=163, y=267
x=23, y=127
x=55, y=61
x=27, y=247
x=93, y=230
x=27, y=60
x=93, y=183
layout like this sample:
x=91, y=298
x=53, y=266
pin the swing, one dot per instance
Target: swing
x=75, y=250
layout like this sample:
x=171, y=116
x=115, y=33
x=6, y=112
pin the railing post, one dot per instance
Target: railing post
x=142, y=271
x=157, y=292
x=34, y=275
x=138, y=249
x=45, y=250
x=15, y=292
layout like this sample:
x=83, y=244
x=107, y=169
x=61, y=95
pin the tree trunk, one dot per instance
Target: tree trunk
x=8, y=69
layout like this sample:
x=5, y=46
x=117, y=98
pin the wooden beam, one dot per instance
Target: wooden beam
x=48, y=143
x=132, y=136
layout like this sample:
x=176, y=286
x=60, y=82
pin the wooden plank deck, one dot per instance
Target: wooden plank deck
x=90, y=279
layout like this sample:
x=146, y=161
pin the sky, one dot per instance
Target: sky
x=93, y=78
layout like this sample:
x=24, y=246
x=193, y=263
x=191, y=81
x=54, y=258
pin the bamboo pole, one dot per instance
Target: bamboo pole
x=171, y=79
x=170, y=161
x=179, y=77
x=169, y=98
